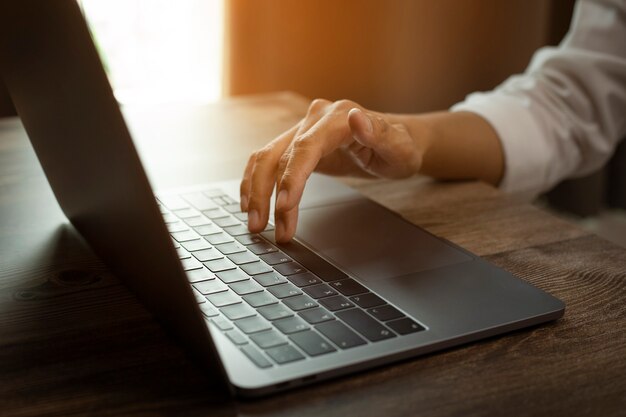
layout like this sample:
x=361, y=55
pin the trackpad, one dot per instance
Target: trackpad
x=370, y=242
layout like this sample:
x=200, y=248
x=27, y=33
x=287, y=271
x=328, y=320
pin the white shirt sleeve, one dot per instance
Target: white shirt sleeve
x=566, y=114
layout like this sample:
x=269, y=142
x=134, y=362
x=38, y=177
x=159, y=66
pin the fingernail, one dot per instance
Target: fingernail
x=244, y=203
x=281, y=200
x=280, y=231
x=253, y=219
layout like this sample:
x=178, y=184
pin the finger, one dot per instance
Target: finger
x=259, y=185
x=244, y=186
x=285, y=223
x=303, y=155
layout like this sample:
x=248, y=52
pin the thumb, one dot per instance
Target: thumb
x=361, y=127
x=385, y=148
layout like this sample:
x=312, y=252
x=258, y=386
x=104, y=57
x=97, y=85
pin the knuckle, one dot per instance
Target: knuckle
x=302, y=142
x=344, y=104
x=262, y=155
x=288, y=180
x=318, y=105
x=383, y=126
x=283, y=161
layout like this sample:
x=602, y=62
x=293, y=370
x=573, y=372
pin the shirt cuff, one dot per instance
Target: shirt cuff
x=526, y=154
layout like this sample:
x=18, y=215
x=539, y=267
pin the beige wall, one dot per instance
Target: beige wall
x=391, y=55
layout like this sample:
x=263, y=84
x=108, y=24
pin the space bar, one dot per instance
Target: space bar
x=308, y=259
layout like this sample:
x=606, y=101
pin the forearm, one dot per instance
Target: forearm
x=456, y=145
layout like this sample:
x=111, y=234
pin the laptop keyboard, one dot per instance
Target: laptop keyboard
x=262, y=296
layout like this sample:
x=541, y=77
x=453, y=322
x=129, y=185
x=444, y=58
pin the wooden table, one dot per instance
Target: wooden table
x=73, y=340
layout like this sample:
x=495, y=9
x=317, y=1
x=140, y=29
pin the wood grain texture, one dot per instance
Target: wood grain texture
x=74, y=341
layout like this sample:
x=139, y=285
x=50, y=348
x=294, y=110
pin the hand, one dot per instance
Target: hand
x=340, y=138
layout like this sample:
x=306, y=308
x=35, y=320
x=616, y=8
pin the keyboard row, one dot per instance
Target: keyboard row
x=255, y=292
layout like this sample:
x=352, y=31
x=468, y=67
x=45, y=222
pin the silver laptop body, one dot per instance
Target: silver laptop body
x=399, y=290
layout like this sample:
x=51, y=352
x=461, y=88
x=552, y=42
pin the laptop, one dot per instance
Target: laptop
x=359, y=286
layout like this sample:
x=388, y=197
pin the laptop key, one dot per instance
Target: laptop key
x=169, y=218
x=261, y=248
x=222, y=323
x=197, y=221
x=199, y=297
x=268, y=339
x=290, y=268
x=210, y=287
x=253, y=324
x=340, y=334
x=316, y=315
x=367, y=300
x=386, y=312
x=249, y=239
x=275, y=312
x=300, y=302
x=195, y=245
x=233, y=208
x=319, y=291
x=224, y=298
x=207, y=229
x=336, y=303
x=196, y=275
x=184, y=236
x=312, y=343
x=230, y=248
x=405, y=326
x=241, y=258
x=218, y=265
x=256, y=268
x=365, y=324
x=238, y=311
x=291, y=325
x=236, y=337
x=304, y=280
x=245, y=287
x=275, y=258
x=218, y=238
x=176, y=227
x=284, y=290
x=241, y=217
x=215, y=213
x=269, y=279
x=186, y=212
x=208, y=310
x=232, y=275
x=173, y=202
x=237, y=230
x=260, y=299
x=207, y=254
x=348, y=287
x=182, y=253
x=190, y=264
x=226, y=221
x=230, y=201
x=284, y=354
x=255, y=356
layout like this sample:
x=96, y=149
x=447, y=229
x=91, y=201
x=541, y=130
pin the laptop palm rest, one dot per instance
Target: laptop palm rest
x=372, y=243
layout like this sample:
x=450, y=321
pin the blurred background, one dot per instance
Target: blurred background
x=393, y=56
